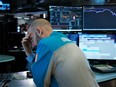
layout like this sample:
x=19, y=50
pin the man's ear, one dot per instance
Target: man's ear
x=39, y=31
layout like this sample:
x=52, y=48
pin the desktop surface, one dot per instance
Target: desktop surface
x=22, y=83
x=28, y=82
x=102, y=77
x=6, y=58
x=21, y=80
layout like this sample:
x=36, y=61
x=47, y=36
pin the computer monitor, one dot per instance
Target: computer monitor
x=66, y=18
x=98, y=46
x=5, y=5
x=74, y=37
x=99, y=18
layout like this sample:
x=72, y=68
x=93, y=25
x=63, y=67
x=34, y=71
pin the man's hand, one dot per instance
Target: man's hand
x=27, y=44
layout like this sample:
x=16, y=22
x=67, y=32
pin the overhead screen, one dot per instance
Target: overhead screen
x=99, y=18
x=98, y=46
x=65, y=18
x=5, y=5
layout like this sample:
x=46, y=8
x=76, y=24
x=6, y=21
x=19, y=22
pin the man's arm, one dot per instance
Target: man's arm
x=27, y=45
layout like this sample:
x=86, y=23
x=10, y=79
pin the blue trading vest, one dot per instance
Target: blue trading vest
x=45, y=49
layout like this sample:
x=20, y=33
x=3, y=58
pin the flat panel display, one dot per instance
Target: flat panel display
x=5, y=5
x=99, y=18
x=66, y=18
x=98, y=46
x=74, y=37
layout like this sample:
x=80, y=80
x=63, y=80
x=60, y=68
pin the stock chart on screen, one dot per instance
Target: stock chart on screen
x=65, y=18
x=99, y=17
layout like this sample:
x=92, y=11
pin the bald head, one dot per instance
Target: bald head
x=40, y=23
x=41, y=26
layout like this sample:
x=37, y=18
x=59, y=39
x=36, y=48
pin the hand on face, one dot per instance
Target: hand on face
x=27, y=44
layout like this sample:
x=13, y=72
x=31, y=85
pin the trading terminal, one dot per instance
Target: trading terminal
x=89, y=23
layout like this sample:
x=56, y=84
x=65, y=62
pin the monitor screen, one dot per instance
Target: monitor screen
x=98, y=46
x=5, y=5
x=65, y=18
x=99, y=18
x=74, y=37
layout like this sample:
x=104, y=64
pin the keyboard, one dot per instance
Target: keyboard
x=5, y=78
x=103, y=68
x=1, y=84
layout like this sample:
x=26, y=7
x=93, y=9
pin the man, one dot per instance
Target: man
x=58, y=61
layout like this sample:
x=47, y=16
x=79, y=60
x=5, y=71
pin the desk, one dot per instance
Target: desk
x=22, y=83
x=6, y=58
x=100, y=78
x=26, y=82
x=5, y=61
x=106, y=79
